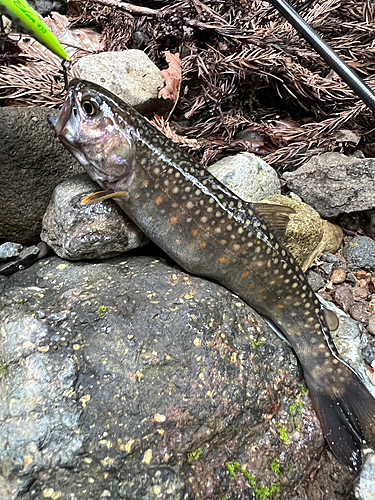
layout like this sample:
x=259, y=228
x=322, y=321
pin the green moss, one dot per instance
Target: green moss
x=304, y=390
x=254, y=344
x=194, y=455
x=261, y=492
x=275, y=467
x=3, y=370
x=101, y=310
x=284, y=435
x=353, y=245
x=296, y=409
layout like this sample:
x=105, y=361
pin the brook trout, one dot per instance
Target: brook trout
x=211, y=232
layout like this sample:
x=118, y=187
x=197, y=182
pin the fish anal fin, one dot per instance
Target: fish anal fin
x=103, y=195
x=331, y=319
x=276, y=217
x=346, y=413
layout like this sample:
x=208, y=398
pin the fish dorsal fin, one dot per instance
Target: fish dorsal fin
x=101, y=196
x=276, y=217
x=331, y=319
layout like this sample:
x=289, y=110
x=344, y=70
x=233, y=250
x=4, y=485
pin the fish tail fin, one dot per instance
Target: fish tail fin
x=347, y=416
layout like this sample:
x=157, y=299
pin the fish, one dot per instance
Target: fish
x=211, y=232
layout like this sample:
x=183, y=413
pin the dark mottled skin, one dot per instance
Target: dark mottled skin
x=211, y=232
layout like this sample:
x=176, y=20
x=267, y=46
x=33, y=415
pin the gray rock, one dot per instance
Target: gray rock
x=132, y=377
x=334, y=183
x=365, y=487
x=360, y=254
x=45, y=7
x=129, y=74
x=75, y=231
x=24, y=260
x=350, y=339
x=32, y=163
x=315, y=280
x=9, y=250
x=247, y=175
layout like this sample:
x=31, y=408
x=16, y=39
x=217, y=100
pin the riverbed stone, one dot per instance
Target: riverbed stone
x=76, y=231
x=129, y=378
x=129, y=74
x=360, y=254
x=32, y=163
x=247, y=175
x=334, y=184
x=307, y=235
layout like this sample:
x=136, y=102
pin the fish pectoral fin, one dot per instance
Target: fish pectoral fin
x=103, y=195
x=276, y=217
x=331, y=319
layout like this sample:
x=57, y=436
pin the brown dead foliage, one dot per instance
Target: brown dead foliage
x=243, y=69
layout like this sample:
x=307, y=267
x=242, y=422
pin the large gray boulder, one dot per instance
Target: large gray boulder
x=32, y=163
x=131, y=379
x=334, y=184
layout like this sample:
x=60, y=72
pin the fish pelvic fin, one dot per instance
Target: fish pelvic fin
x=103, y=195
x=347, y=416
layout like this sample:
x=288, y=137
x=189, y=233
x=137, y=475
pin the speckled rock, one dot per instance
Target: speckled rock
x=247, y=175
x=129, y=74
x=360, y=254
x=307, y=235
x=129, y=378
x=333, y=183
x=9, y=250
x=32, y=163
x=365, y=487
x=350, y=339
x=75, y=231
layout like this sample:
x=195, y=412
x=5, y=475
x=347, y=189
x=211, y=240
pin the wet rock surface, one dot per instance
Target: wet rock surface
x=333, y=183
x=32, y=163
x=131, y=379
x=98, y=231
x=247, y=175
x=130, y=74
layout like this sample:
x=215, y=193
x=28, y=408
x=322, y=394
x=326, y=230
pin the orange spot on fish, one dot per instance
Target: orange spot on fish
x=194, y=232
x=159, y=200
x=178, y=242
x=137, y=195
x=245, y=275
x=223, y=242
x=145, y=183
x=202, y=246
x=174, y=205
x=224, y=272
x=223, y=260
x=174, y=220
x=280, y=306
x=236, y=247
x=252, y=286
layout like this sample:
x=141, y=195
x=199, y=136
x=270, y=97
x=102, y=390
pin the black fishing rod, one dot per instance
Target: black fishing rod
x=332, y=59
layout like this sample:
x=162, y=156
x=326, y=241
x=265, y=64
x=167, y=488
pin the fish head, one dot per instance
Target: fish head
x=92, y=126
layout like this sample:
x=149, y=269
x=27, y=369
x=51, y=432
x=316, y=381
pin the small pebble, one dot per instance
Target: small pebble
x=360, y=313
x=361, y=275
x=360, y=293
x=338, y=276
x=328, y=257
x=344, y=297
x=9, y=250
x=315, y=280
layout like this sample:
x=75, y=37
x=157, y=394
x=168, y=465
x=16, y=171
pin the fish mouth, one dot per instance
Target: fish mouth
x=66, y=123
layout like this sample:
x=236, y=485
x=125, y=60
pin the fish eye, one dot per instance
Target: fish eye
x=90, y=106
